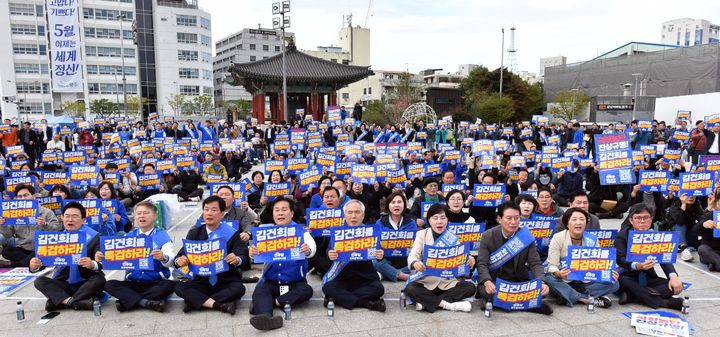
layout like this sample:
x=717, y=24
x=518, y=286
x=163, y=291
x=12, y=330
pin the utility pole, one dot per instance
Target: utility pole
x=120, y=18
x=502, y=58
x=282, y=22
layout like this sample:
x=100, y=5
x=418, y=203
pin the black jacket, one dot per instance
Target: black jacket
x=234, y=245
x=92, y=248
x=621, y=242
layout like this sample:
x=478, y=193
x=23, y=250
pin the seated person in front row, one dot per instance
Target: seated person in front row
x=73, y=286
x=218, y=292
x=354, y=284
x=18, y=241
x=145, y=288
x=571, y=292
x=282, y=282
x=525, y=264
x=431, y=292
x=639, y=282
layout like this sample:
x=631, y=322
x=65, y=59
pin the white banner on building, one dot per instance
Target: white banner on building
x=65, y=58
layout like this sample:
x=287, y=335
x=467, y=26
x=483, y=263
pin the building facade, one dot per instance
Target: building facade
x=113, y=32
x=689, y=32
x=551, y=62
x=247, y=45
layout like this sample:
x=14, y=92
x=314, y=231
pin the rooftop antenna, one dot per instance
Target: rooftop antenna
x=512, y=52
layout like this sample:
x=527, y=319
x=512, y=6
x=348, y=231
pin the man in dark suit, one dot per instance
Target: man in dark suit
x=73, y=286
x=28, y=138
x=639, y=282
x=269, y=138
x=516, y=269
x=218, y=292
x=712, y=145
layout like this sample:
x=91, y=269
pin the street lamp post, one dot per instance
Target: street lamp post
x=120, y=18
x=282, y=22
x=502, y=58
x=636, y=75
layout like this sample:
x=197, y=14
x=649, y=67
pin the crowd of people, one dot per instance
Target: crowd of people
x=575, y=198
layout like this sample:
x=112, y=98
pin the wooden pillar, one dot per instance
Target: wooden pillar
x=321, y=106
x=314, y=109
x=261, y=108
x=333, y=98
x=255, y=109
x=273, y=106
x=281, y=109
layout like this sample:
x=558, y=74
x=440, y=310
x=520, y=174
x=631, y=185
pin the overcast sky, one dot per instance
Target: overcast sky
x=443, y=34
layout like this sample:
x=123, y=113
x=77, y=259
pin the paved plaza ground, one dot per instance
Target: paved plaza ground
x=311, y=319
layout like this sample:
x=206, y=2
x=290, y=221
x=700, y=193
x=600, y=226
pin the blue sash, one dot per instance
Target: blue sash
x=224, y=231
x=334, y=271
x=75, y=276
x=407, y=134
x=362, y=135
x=380, y=135
x=447, y=239
x=159, y=239
x=521, y=240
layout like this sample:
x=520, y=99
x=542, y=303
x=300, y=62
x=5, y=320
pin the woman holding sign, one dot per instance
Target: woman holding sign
x=390, y=268
x=432, y=292
x=569, y=291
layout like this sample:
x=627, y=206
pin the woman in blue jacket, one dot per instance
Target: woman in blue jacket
x=396, y=268
x=108, y=194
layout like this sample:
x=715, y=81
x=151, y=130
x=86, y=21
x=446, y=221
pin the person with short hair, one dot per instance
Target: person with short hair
x=639, y=282
x=575, y=221
x=218, y=292
x=354, y=284
x=431, y=292
x=145, y=288
x=282, y=283
x=579, y=199
x=18, y=241
x=430, y=189
x=73, y=286
x=524, y=266
x=245, y=216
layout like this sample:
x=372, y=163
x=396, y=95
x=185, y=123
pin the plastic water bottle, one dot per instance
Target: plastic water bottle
x=403, y=301
x=591, y=305
x=20, y=311
x=288, y=312
x=96, y=308
x=488, y=309
x=331, y=309
x=686, y=306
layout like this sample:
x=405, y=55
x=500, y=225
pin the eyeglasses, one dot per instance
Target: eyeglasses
x=642, y=218
x=455, y=199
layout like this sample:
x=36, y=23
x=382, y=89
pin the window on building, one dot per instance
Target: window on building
x=88, y=13
x=206, y=74
x=364, y=91
x=186, y=20
x=252, y=58
x=43, y=49
x=207, y=57
x=346, y=62
x=29, y=49
x=205, y=40
x=94, y=88
x=369, y=91
x=277, y=48
x=252, y=46
x=26, y=68
x=105, y=33
x=22, y=9
x=333, y=60
x=188, y=72
x=23, y=29
x=345, y=96
x=187, y=55
x=204, y=23
x=89, y=32
x=189, y=90
x=186, y=38
x=40, y=30
x=92, y=69
x=207, y=91
x=108, y=52
x=266, y=47
x=30, y=87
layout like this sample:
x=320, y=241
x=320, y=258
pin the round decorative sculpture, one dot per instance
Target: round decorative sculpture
x=419, y=111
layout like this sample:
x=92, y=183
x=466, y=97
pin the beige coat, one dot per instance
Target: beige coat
x=422, y=238
x=558, y=250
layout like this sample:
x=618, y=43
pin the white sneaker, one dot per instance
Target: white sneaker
x=418, y=306
x=686, y=255
x=459, y=306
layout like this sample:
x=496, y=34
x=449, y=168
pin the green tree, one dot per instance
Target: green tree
x=570, y=104
x=482, y=82
x=405, y=93
x=202, y=104
x=103, y=108
x=494, y=108
x=536, y=98
x=74, y=109
x=176, y=102
x=377, y=112
x=133, y=106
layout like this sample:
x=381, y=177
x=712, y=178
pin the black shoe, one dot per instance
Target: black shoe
x=83, y=304
x=712, y=267
x=623, y=298
x=325, y=301
x=672, y=303
x=5, y=264
x=560, y=300
x=153, y=305
x=266, y=322
x=120, y=307
x=250, y=279
x=50, y=306
x=228, y=307
x=544, y=309
x=252, y=309
x=378, y=305
x=187, y=308
x=603, y=302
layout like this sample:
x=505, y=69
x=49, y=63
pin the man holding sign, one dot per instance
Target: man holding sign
x=283, y=282
x=144, y=287
x=353, y=283
x=218, y=290
x=507, y=252
x=18, y=240
x=76, y=284
x=639, y=282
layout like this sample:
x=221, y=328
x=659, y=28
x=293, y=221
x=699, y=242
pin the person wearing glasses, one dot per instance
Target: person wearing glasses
x=639, y=282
